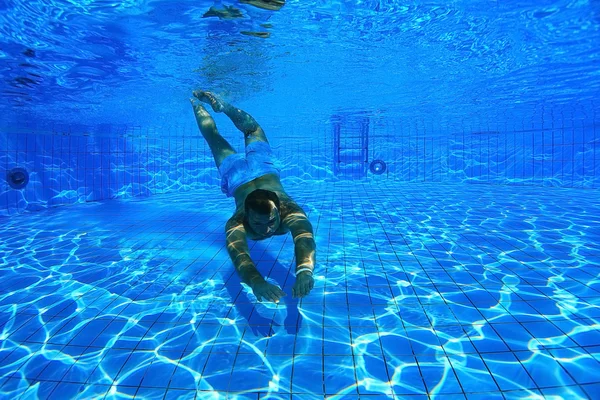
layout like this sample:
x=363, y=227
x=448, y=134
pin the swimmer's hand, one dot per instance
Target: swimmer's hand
x=304, y=284
x=267, y=291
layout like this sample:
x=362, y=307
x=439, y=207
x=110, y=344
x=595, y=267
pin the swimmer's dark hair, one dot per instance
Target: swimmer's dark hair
x=260, y=200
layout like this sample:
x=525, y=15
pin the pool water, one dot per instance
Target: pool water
x=447, y=155
x=422, y=291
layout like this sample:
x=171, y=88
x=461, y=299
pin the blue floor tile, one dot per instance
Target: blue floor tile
x=468, y=306
x=544, y=369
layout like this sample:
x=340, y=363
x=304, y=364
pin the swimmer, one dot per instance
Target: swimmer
x=263, y=208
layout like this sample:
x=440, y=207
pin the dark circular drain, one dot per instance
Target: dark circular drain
x=377, y=167
x=17, y=178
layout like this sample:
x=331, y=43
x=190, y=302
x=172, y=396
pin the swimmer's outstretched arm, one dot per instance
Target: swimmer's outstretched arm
x=304, y=247
x=237, y=247
x=241, y=119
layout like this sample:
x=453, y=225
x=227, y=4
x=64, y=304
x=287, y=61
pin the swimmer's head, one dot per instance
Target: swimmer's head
x=262, y=212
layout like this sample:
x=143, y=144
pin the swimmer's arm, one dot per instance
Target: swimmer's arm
x=304, y=242
x=237, y=247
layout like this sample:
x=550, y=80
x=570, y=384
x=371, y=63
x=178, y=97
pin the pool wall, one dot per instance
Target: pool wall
x=72, y=164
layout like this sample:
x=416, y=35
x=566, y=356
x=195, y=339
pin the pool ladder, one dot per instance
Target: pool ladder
x=351, y=146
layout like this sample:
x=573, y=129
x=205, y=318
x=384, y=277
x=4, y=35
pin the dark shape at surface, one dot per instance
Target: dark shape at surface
x=257, y=34
x=266, y=25
x=378, y=167
x=27, y=65
x=29, y=53
x=229, y=12
x=271, y=5
x=17, y=178
x=22, y=81
x=16, y=98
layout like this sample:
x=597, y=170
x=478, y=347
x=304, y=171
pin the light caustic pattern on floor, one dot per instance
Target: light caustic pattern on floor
x=421, y=290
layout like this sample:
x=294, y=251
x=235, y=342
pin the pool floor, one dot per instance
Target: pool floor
x=422, y=291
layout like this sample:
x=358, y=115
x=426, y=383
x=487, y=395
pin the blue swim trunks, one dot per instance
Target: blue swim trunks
x=237, y=169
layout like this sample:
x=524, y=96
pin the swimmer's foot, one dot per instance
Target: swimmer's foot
x=208, y=97
x=199, y=110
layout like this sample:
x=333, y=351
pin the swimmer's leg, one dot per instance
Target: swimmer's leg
x=218, y=145
x=241, y=119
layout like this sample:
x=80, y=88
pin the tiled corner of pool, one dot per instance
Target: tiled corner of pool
x=422, y=291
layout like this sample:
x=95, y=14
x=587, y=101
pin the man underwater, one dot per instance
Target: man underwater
x=263, y=208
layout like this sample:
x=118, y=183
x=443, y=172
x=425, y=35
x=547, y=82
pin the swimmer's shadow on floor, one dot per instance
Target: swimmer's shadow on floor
x=247, y=306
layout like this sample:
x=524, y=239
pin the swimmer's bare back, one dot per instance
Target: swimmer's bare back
x=267, y=182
